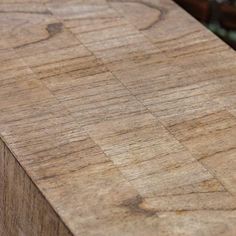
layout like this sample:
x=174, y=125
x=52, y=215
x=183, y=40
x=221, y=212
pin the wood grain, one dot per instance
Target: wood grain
x=117, y=118
x=24, y=210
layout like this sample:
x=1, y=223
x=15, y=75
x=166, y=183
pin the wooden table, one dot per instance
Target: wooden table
x=116, y=118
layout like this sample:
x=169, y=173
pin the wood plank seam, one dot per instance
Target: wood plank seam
x=139, y=101
x=146, y=106
x=150, y=5
x=163, y=12
x=225, y=107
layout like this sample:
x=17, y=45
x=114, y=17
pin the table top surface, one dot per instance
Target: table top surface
x=123, y=114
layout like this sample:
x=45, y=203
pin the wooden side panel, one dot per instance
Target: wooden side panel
x=23, y=209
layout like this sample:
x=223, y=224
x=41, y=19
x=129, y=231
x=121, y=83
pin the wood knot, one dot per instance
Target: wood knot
x=135, y=206
x=54, y=28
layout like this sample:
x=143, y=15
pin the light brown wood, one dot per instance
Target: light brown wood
x=24, y=211
x=117, y=118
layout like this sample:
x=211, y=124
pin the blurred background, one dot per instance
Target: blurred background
x=218, y=15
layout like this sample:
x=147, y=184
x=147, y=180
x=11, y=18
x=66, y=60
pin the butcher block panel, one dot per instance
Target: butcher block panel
x=117, y=117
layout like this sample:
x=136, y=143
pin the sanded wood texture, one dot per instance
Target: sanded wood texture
x=117, y=117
